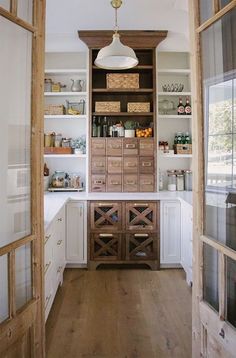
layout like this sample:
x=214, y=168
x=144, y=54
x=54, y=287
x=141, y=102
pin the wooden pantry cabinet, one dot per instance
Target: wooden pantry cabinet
x=124, y=232
x=123, y=164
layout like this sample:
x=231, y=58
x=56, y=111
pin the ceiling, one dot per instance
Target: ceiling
x=65, y=18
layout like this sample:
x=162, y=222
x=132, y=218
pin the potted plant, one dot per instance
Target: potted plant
x=129, y=129
x=79, y=145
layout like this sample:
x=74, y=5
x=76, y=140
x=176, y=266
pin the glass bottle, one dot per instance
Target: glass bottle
x=94, y=128
x=105, y=127
x=179, y=138
x=99, y=134
x=187, y=107
x=180, y=107
x=187, y=138
x=183, y=139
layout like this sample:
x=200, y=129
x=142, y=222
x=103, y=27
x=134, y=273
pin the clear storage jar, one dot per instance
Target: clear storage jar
x=171, y=180
x=180, y=182
x=188, y=180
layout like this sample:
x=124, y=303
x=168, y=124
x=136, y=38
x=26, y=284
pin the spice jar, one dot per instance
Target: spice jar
x=66, y=142
x=47, y=85
x=48, y=140
x=58, y=140
x=180, y=180
x=58, y=179
x=188, y=180
x=171, y=180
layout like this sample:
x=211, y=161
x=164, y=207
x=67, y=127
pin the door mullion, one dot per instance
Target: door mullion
x=222, y=285
x=12, y=284
x=13, y=7
x=216, y=6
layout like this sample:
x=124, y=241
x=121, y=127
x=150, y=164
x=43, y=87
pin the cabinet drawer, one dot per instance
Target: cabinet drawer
x=114, y=183
x=98, y=165
x=105, y=216
x=130, y=165
x=146, y=165
x=105, y=247
x=146, y=183
x=48, y=256
x=114, y=165
x=114, y=147
x=98, y=146
x=146, y=147
x=141, y=246
x=130, y=183
x=130, y=146
x=98, y=183
x=141, y=216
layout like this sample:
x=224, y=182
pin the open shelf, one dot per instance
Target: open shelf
x=121, y=114
x=65, y=155
x=139, y=67
x=177, y=156
x=65, y=71
x=179, y=94
x=64, y=94
x=65, y=116
x=175, y=71
x=173, y=116
x=127, y=90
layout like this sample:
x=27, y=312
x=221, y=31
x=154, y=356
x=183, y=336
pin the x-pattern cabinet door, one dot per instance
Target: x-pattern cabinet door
x=141, y=216
x=141, y=246
x=106, y=216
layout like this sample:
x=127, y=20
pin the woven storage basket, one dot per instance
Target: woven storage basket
x=52, y=109
x=122, y=80
x=183, y=148
x=138, y=107
x=107, y=106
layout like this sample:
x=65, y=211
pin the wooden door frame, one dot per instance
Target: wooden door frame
x=200, y=308
x=32, y=315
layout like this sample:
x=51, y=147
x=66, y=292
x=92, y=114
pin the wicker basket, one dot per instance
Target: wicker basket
x=138, y=107
x=107, y=106
x=183, y=148
x=122, y=80
x=57, y=150
x=52, y=109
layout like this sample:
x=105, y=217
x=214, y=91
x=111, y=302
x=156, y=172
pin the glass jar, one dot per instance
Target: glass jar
x=58, y=139
x=180, y=182
x=58, y=179
x=188, y=180
x=171, y=180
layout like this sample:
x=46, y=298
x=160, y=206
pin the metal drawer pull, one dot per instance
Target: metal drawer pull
x=47, y=300
x=143, y=146
x=140, y=204
x=130, y=164
x=115, y=164
x=130, y=146
x=59, y=242
x=47, y=237
x=59, y=269
x=98, y=146
x=146, y=182
x=115, y=146
x=146, y=164
x=115, y=183
x=99, y=165
x=106, y=204
x=105, y=235
x=130, y=182
x=98, y=182
x=47, y=267
x=60, y=219
x=141, y=235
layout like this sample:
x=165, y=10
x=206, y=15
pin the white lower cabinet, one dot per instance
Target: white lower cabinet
x=170, y=234
x=76, y=243
x=186, y=241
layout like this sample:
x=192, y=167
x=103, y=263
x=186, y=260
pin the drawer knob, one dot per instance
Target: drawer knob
x=59, y=242
x=115, y=183
x=146, y=164
x=98, y=182
x=60, y=219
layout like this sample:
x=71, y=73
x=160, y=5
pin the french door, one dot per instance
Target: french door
x=21, y=167
x=214, y=290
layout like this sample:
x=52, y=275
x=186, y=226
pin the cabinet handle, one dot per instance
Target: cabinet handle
x=98, y=146
x=59, y=242
x=115, y=164
x=115, y=146
x=47, y=267
x=141, y=235
x=98, y=182
x=130, y=146
x=98, y=165
x=59, y=269
x=47, y=300
x=47, y=237
x=60, y=219
x=115, y=183
x=105, y=204
x=105, y=235
x=146, y=182
x=130, y=182
x=146, y=164
x=147, y=146
x=80, y=211
x=130, y=164
x=141, y=205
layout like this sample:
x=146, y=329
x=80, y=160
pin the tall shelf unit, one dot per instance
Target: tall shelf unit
x=62, y=67
x=173, y=68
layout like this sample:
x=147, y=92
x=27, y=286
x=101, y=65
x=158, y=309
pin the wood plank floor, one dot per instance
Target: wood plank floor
x=121, y=314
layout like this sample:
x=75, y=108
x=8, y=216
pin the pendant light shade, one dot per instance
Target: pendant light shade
x=116, y=56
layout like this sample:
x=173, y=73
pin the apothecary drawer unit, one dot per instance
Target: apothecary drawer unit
x=114, y=165
x=98, y=165
x=98, y=183
x=105, y=216
x=141, y=246
x=105, y=246
x=130, y=183
x=130, y=146
x=114, y=147
x=98, y=146
x=141, y=216
x=146, y=147
x=114, y=183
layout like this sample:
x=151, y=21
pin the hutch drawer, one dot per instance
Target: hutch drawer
x=106, y=216
x=114, y=147
x=114, y=183
x=130, y=165
x=105, y=247
x=130, y=183
x=141, y=216
x=146, y=183
x=146, y=165
x=98, y=165
x=114, y=165
x=98, y=183
x=146, y=147
x=141, y=246
x=98, y=146
x=130, y=146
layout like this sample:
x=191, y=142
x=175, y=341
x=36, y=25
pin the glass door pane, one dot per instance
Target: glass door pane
x=231, y=291
x=210, y=276
x=25, y=10
x=5, y=4
x=23, y=275
x=15, y=144
x=206, y=10
x=4, y=312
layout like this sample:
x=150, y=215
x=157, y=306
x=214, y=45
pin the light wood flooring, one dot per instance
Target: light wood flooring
x=121, y=314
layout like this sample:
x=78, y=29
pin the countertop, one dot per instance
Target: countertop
x=53, y=202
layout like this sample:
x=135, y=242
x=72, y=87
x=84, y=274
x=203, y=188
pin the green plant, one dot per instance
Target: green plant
x=129, y=125
x=79, y=143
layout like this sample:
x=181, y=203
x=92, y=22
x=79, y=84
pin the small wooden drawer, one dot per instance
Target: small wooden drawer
x=98, y=183
x=105, y=247
x=130, y=183
x=146, y=147
x=130, y=146
x=98, y=165
x=146, y=165
x=141, y=216
x=114, y=147
x=146, y=183
x=98, y=146
x=114, y=183
x=114, y=165
x=141, y=246
x=130, y=164
x=106, y=216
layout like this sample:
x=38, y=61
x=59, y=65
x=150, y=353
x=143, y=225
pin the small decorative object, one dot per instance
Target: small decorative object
x=77, y=85
x=177, y=87
x=145, y=133
x=58, y=179
x=66, y=142
x=165, y=106
x=47, y=85
x=183, y=148
x=75, y=108
x=57, y=150
x=123, y=80
x=79, y=145
x=113, y=106
x=138, y=107
x=56, y=86
x=129, y=129
x=58, y=139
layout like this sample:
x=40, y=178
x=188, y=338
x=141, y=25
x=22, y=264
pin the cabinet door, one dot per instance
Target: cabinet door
x=170, y=232
x=98, y=146
x=146, y=147
x=146, y=165
x=59, y=246
x=130, y=146
x=98, y=165
x=114, y=147
x=105, y=216
x=130, y=165
x=141, y=216
x=141, y=246
x=105, y=247
x=98, y=183
x=114, y=165
x=75, y=238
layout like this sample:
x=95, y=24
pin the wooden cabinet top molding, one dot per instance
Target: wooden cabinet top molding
x=133, y=38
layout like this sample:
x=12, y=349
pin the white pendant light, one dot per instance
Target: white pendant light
x=116, y=56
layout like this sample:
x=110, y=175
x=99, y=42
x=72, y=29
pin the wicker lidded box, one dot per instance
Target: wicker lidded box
x=53, y=109
x=107, y=106
x=122, y=80
x=138, y=107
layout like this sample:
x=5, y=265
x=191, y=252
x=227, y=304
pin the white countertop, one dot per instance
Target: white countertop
x=53, y=202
